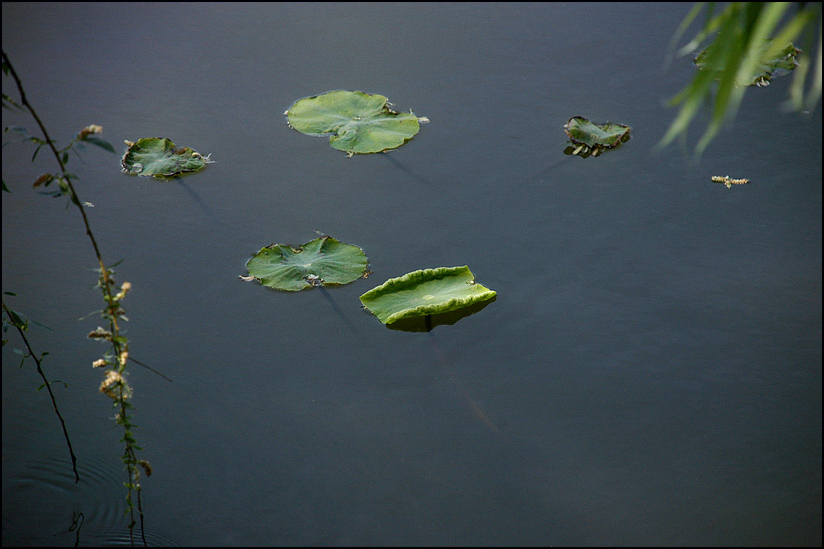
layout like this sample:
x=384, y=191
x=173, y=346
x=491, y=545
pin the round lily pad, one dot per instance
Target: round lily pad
x=159, y=157
x=602, y=136
x=320, y=262
x=425, y=292
x=359, y=123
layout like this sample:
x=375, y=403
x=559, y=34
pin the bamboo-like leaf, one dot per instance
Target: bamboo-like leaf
x=102, y=143
x=749, y=44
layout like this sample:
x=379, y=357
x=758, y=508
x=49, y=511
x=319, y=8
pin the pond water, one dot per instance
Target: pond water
x=650, y=373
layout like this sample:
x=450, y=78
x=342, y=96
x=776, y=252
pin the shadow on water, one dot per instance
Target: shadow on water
x=201, y=203
x=538, y=176
x=427, y=323
x=339, y=312
x=430, y=185
x=447, y=368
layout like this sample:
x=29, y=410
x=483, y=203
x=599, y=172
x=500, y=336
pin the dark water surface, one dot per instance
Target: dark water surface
x=650, y=373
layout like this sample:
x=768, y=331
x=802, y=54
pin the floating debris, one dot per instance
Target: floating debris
x=726, y=180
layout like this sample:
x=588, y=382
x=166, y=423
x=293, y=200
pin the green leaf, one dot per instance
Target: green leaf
x=102, y=143
x=357, y=122
x=322, y=261
x=425, y=292
x=37, y=150
x=9, y=103
x=159, y=157
x=16, y=320
x=768, y=63
x=752, y=42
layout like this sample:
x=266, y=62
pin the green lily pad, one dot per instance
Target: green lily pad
x=784, y=61
x=159, y=157
x=590, y=138
x=425, y=292
x=359, y=123
x=427, y=323
x=320, y=262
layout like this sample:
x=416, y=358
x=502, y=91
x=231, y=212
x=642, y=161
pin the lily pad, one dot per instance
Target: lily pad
x=591, y=138
x=425, y=292
x=427, y=323
x=357, y=122
x=159, y=157
x=782, y=62
x=321, y=262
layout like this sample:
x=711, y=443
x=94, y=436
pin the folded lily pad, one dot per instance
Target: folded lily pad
x=427, y=323
x=159, y=157
x=784, y=61
x=320, y=262
x=425, y=292
x=357, y=122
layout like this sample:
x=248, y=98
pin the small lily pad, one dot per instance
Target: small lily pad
x=357, y=122
x=159, y=157
x=321, y=262
x=425, y=292
x=595, y=136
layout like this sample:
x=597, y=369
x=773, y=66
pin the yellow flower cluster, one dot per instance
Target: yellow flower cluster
x=113, y=381
x=100, y=333
x=146, y=467
x=89, y=130
x=124, y=289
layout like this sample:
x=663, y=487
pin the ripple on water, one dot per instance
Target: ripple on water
x=42, y=505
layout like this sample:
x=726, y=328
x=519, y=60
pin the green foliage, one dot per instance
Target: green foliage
x=784, y=60
x=743, y=39
x=357, y=122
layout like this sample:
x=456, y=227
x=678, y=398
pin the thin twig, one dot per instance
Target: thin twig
x=149, y=368
x=48, y=387
x=75, y=199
